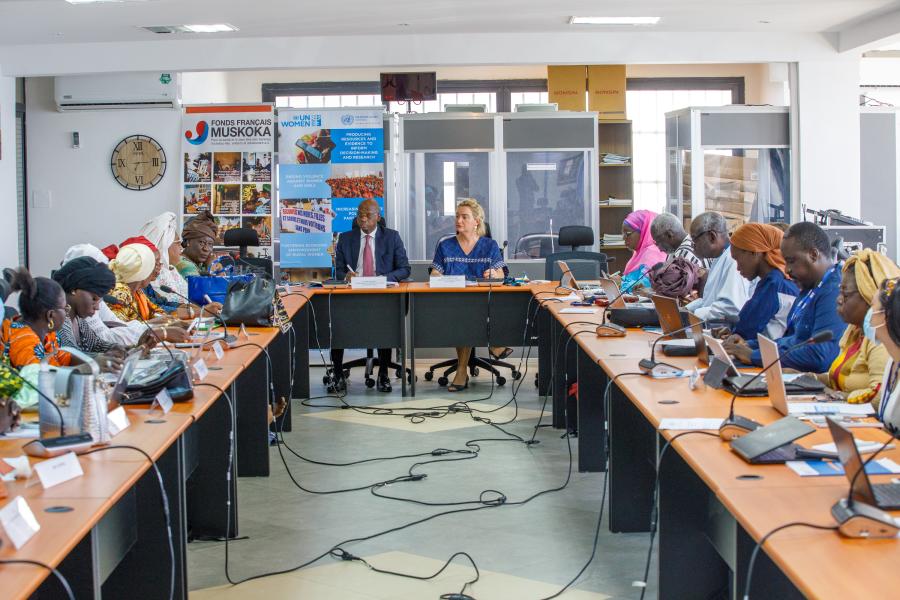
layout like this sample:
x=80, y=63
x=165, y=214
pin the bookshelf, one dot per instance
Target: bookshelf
x=615, y=181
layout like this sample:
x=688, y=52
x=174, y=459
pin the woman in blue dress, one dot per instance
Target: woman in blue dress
x=471, y=254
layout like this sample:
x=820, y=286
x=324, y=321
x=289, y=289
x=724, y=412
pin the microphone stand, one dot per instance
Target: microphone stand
x=649, y=366
x=206, y=297
x=736, y=426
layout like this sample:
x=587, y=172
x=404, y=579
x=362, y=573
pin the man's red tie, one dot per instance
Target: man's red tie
x=368, y=258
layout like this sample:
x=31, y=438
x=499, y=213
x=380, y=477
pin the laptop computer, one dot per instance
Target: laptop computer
x=611, y=290
x=718, y=351
x=774, y=379
x=773, y=444
x=670, y=316
x=118, y=391
x=882, y=495
x=737, y=383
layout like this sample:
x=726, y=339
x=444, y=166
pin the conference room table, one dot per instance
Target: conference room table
x=105, y=531
x=713, y=507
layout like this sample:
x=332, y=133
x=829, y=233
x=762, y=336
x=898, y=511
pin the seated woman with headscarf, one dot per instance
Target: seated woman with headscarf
x=198, y=238
x=32, y=335
x=162, y=234
x=133, y=266
x=756, y=248
x=636, y=233
x=856, y=374
x=84, y=281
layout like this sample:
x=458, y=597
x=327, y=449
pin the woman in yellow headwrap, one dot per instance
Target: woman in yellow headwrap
x=856, y=374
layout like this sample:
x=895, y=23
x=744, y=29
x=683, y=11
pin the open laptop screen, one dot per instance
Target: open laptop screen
x=852, y=462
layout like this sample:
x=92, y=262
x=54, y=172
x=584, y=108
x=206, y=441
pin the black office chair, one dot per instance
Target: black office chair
x=536, y=245
x=242, y=237
x=584, y=264
x=370, y=362
x=489, y=363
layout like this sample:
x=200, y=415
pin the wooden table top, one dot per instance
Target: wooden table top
x=821, y=563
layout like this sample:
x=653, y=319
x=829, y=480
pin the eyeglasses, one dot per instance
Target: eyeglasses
x=628, y=233
x=367, y=215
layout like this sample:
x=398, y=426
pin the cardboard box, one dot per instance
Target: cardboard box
x=606, y=91
x=566, y=86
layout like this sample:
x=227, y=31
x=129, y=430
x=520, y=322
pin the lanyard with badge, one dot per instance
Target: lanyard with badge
x=803, y=303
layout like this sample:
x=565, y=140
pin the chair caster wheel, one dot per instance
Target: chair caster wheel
x=516, y=375
x=370, y=383
x=326, y=380
x=442, y=381
x=475, y=372
x=429, y=375
x=501, y=380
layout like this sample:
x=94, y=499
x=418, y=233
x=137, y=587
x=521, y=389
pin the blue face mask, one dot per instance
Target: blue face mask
x=868, y=328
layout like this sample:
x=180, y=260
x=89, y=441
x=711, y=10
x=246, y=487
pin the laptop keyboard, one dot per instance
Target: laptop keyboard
x=780, y=454
x=887, y=494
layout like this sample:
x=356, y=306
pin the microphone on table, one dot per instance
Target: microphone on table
x=229, y=339
x=736, y=426
x=113, y=301
x=607, y=329
x=653, y=368
x=53, y=446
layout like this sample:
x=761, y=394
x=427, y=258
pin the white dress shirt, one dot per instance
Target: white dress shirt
x=122, y=336
x=725, y=292
x=362, y=247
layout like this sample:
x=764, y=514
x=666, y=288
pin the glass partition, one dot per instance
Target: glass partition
x=544, y=191
x=437, y=181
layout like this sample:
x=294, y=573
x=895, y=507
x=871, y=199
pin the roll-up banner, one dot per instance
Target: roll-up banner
x=329, y=160
x=227, y=167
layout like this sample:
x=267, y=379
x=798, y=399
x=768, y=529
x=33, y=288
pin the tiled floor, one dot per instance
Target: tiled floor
x=527, y=551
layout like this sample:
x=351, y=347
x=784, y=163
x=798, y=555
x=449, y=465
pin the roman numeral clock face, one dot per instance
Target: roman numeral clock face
x=138, y=162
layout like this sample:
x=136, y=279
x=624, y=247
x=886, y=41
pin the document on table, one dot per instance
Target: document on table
x=819, y=468
x=690, y=424
x=863, y=446
x=830, y=408
x=578, y=310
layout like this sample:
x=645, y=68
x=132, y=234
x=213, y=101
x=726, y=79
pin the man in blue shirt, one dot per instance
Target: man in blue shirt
x=807, y=254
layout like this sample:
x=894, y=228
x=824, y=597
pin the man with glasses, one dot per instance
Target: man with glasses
x=368, y=249
x=725, y=291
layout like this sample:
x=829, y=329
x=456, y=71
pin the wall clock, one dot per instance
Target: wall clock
x=138, y=162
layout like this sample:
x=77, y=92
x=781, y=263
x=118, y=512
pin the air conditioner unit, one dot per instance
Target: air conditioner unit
x=118, y=91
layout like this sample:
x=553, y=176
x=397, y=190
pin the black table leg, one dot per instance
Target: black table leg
x=591, y=414
x=301, y=353
x=252, y=401
x=207, y=488
x=632, y=465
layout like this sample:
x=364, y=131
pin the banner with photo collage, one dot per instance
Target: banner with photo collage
x=329, y=160
x=227, y=154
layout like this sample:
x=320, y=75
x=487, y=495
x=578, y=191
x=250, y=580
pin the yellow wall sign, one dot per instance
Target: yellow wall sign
x=566, y=85
x=606, y=90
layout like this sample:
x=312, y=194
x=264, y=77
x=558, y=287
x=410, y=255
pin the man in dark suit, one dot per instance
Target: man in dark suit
x=368, y=249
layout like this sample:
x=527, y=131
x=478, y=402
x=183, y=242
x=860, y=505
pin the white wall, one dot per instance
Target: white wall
x=87, y=205
x=9, y=252
x=828, y=96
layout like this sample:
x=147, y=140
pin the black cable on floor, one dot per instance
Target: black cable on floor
x=59, y=576
x=165, y=504
x=654, y=509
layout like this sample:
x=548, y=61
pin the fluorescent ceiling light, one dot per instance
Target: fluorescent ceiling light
x=614, y=20
x=103, y=1
x=215, y=28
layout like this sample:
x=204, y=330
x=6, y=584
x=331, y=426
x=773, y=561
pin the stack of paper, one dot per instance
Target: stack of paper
x=609, y=158
x=626, y=202
x=613, y=239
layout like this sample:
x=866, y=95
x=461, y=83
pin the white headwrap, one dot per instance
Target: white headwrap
x=161, y=230
x=79, y=250
x=134, y=262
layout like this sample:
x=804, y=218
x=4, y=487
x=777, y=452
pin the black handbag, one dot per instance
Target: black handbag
x=176, y=379
x=250, y=303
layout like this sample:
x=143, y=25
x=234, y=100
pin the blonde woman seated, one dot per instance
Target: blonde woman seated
x=471, y=254
x=856, y=374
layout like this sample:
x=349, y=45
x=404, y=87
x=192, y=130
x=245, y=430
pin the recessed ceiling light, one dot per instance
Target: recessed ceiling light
x=614, y=20
x=102, y=1
x=214, y=28
x=766, y=22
